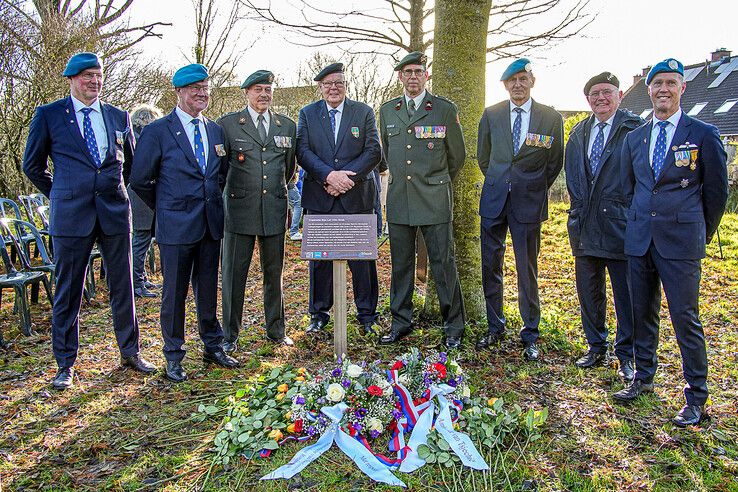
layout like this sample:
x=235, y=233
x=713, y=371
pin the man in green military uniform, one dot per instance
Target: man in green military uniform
x=261, y=160
x=424, y=148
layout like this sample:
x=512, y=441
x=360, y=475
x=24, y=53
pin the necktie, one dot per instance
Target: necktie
x=516, y=130
x=89, y=135
x=597, y=147
x=199, y=147
x=659, y=150
x=333, y=122
x=411, y=108
x=261, y=126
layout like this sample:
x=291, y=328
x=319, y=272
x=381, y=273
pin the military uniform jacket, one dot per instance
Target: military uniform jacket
x=679, y=210
x=424, y=154
x=255, y=195
x=597, y=215
x=526, y=176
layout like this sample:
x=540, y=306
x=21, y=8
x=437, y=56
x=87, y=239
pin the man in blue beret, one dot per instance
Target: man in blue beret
x=91, y=145
x=260, y=149
x=338, y=147
x=676, y=184
x=597, y=220
x=179, y=171
x=520, y=152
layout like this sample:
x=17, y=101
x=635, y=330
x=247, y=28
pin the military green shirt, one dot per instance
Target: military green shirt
x=255, y=195
x=424, y=153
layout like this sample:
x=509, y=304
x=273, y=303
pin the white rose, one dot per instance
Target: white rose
x=375, y=424
x=354, y=371
x=335, y=392
x=466, y=392
x=403, y=379
x=456, y=367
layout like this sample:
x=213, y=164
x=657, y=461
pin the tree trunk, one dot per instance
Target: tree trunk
x=459, y=63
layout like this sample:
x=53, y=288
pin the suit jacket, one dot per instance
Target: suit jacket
x=679, y=210
x=356, y=149
x=80, y=193
x=166, y=176
x=422, y=163
x=526, y=176
x=597, y=215
x=255, y=195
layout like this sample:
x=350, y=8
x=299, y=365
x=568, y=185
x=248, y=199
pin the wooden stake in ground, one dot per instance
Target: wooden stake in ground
x=340, y=308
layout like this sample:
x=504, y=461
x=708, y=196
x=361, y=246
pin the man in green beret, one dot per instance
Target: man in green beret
x=260, y=147
x=424, y=149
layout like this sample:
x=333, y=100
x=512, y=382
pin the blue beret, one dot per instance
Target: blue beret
x=258, y=77
x=332, y=68
x=670, y=65
x=189, y=74
x=80, y=62
x=519, y=65
x=414, y=58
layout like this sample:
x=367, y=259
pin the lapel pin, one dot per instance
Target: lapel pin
x=674, y=148
x=645, y=140
x=241, y=120
x=179, y=133
x=398, y=105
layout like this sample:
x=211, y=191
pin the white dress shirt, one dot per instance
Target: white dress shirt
x=255, y=118
x=98, y=124
x=338, y=117
x=189, y=128
x=418, y=100
x=524, y=118
x=670, y=129
x=593, y=131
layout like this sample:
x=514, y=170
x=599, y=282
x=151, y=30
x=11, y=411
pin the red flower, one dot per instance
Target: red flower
x=440, y=369
x=374, y=390
x=398, y=365
x=298, y=426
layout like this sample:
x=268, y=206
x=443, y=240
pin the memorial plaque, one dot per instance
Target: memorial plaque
x=339, y=237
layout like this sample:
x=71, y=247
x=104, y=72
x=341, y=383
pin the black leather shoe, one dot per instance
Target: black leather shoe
x=369, y=328
x=138, y=363
x=690, y=415
x=489, y=338
x=627, y=370
x=633, y=390
x=316, y=326
x=394, y=336
x=175, y=372
x=220, y=358
x=144, y=292
x=229, y=347
x=64, y=378
x=531, y=351
x=151, y=285
x=285, y=340
x=591, y=359
x=453, y=342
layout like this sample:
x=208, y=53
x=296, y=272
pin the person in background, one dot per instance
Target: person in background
x=294, y=198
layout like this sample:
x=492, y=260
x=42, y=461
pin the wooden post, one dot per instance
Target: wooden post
x=339, y=307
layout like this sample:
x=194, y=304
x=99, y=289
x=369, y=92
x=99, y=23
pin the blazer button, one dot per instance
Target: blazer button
x=335, y=160
x=409, y=130
x=265, y=176
x=263, y=149
x=653, y=214
x=98, y=171
x=207, y=199
x=409, y=162
x=264, y=191
x=655, y=191
x=233, y=195
x=263, y=162
x=409, y=178
x=409, y=146
x=604, y=210
x=507, y=181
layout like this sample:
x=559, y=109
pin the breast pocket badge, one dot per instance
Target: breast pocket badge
x=355, y=131
x=220, y=150
x=282, y=141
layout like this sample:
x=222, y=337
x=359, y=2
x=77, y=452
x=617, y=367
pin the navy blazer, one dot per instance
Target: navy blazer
x=167, y=177
x=681, y=209
x=597, y=214
x=356, y=149
x=80, y=193
x=526, y=176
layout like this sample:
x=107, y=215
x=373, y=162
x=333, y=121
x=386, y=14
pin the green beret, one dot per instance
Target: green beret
x=519, y=65
x=189, y=74
x=414, y=58
x=332, y=68
x=670, y=65
x=258, y=77
x=80, y=62
x=603, y=78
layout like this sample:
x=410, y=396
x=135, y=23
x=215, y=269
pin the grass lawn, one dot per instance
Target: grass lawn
x=117, y=430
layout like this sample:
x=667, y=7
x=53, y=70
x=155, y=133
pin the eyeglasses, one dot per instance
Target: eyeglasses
x=199, y=89
x=606, y=93
x=414, y=71
x=338, y=84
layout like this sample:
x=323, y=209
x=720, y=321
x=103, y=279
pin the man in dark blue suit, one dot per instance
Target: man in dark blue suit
x=91, y=146
x=520, y=152
x=179, y=171
x=338, y=147
x=597, y=220
x=675, y=180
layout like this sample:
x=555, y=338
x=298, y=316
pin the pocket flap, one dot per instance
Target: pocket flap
x=443, y=179
x=392, y=131
x=690, y=217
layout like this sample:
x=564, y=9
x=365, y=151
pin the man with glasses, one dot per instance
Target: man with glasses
x=338, y=147
x=179, y=171
x=91, y=146
x=260, y=147
x=520, y=151
x=424, y=149
x=597, y=220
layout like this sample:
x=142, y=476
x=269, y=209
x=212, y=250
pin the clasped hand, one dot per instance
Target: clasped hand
x=339, y=182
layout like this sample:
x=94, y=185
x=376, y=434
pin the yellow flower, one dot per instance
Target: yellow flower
x=491, y=402
x=300, y=378
x=301, y=371
x=288, y=415
x=291, y=428
x=279, y=396
x=276, y=434
x=282, y=388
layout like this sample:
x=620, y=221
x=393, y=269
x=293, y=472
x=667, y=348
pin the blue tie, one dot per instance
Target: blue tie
x=659, y=150
x=90, y=139
x=332, y=113
x=516, y=130
x=199, y=147
x=597, y=146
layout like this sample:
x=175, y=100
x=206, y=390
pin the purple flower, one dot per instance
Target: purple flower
x=311, y=431
x=396, y=414
x=374, y=434
x=452, y=383
x=358, y=413
x=336, y=372
x=358, y=427
x=321, y=400
x=363, y=411
x=300, y=400
x=346, y=383
x=442, y=357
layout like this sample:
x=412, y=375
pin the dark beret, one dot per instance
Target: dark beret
x=670, y=65
x=603, y=78
x=519, y=65
x=258, y=77
x=332, y=68
x=82, y=61
x=189, y=74
x=414, y=58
